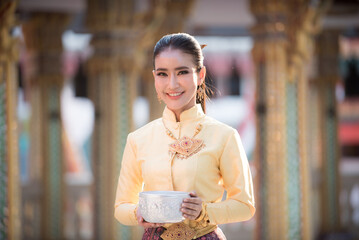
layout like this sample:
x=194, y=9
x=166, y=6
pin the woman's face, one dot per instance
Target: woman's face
x=176, y=80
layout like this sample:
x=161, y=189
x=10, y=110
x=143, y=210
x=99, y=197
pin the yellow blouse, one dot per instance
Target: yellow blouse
x=221, y=165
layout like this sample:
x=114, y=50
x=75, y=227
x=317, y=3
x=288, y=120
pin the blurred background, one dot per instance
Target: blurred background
x=75, y=79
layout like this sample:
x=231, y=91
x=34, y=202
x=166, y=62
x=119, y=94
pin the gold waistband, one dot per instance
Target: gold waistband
x=183, y=231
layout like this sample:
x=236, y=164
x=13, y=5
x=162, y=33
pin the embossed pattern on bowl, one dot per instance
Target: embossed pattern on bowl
x=162, y=206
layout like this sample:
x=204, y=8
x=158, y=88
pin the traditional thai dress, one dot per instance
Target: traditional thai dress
x=197, y=154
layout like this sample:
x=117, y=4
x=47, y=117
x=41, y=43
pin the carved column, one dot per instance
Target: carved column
x=42, y=34
x=270, y=56
x=328, y=53
x=120, y=38
x=301, y=32
x=285, y=103
x=109, y=89
x=10, y=208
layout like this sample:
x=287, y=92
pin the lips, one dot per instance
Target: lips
x=175, y=94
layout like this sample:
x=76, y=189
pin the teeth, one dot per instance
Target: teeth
x=174, y=94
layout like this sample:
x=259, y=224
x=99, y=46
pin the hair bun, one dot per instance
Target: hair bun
x=203, y=45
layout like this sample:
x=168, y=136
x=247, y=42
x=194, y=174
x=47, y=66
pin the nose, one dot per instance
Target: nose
x=173, y=83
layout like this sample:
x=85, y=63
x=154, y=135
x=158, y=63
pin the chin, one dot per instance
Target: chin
x=173, y=108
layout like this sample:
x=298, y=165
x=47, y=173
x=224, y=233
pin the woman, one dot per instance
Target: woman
x=185, y=150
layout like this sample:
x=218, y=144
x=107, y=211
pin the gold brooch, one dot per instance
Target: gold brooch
x=185, y=146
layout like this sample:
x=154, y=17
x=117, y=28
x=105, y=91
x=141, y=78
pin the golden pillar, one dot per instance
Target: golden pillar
x=10, y=208
x=270, y=57
x=327, y=53
x=284, y=36
x=111, y=92
x=122, y=39
x=301, y=35
x=42, y=34
x=121, y=36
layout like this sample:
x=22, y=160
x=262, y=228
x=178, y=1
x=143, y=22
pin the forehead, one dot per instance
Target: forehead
x=173, y=58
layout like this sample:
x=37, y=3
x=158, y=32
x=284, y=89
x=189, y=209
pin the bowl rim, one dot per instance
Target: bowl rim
x=162, y=194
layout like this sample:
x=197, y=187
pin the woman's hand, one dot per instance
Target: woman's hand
x=192, y=207
x=145, y=224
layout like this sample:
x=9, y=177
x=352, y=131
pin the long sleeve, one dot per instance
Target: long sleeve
x=221, y=165
x=237, y=180
x=129, y=185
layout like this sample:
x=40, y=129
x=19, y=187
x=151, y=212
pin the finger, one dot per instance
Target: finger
x=151, y=225
x=147, y=225
x=193, y=199
x=142, y=222
x=140, y=219
x=192, y=206
x=190, y=212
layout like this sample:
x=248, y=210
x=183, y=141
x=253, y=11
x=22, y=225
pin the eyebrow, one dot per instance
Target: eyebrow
x=178, y=68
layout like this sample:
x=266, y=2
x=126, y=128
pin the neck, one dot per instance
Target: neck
x=178, y=112
x=178, y=116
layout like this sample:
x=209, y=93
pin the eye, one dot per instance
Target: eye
x=182, y=72
x=161, y=74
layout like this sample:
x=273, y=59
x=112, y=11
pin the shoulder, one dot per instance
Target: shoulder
x=220, y=135
x=214, y=125
x=146, y=130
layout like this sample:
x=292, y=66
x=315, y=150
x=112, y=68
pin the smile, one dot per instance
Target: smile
x=174, y=94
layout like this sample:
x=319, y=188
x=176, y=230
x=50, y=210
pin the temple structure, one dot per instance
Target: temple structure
x=304, y=126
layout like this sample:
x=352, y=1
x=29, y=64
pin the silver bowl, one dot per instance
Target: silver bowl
x=162, y=206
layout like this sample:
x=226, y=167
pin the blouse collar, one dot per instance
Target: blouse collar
x=189, y=114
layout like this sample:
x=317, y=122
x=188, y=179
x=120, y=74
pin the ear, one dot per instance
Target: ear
x=201, y=75
x=154, y=73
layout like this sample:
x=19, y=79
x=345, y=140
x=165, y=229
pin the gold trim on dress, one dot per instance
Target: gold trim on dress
x=178, y=231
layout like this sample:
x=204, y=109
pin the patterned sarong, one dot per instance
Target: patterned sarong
x=155, y=234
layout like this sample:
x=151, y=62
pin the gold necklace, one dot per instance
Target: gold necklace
x=185, y=147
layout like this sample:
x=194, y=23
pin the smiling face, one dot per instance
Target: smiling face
x=176, y=80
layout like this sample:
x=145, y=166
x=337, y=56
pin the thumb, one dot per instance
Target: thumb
x=193, y=194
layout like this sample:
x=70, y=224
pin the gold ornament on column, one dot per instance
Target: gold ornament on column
x=11, y=198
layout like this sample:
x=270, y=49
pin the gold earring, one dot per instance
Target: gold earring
x=200, y=93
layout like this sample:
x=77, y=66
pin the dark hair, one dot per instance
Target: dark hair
x=187, y=44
